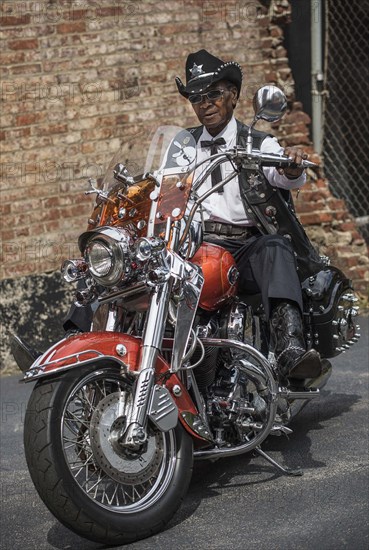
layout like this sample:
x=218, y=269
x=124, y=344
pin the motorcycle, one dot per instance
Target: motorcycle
x=177, y=365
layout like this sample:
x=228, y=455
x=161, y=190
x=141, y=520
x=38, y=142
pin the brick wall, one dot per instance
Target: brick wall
x=80, y=78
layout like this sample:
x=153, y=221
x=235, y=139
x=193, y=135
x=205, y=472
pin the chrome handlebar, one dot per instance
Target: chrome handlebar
x=265, y=159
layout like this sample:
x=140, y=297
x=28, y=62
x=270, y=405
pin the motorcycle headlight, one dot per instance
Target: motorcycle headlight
x=99, y=258
x=107, y=255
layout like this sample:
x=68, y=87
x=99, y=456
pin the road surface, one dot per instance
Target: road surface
x=237, y=503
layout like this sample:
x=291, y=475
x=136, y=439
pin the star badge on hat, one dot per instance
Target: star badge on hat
x=196, y=70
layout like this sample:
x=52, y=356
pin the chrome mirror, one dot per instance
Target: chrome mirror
x=269, y=103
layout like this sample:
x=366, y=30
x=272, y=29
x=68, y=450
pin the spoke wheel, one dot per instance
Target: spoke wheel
x=120, y=494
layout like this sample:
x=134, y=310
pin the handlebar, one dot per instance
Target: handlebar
x=254, y=160
x=267, y=159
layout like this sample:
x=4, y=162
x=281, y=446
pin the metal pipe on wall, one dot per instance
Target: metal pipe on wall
x=317, y=76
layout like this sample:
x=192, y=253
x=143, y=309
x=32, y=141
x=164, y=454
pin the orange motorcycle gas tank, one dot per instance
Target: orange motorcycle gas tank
x=220, y=274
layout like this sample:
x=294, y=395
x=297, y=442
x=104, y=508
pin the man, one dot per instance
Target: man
x=266, y=262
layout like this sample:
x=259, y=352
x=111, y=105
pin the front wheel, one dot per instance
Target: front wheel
x=91, y=484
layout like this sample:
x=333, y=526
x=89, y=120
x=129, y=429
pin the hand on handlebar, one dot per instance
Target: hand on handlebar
x=296, y=155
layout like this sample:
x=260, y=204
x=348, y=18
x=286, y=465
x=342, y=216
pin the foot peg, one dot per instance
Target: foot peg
x=279, y=429
x=23, y=353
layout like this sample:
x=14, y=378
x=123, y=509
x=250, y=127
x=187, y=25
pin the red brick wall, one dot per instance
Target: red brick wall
x=79, y=78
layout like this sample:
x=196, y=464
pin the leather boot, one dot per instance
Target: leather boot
x=289, y=345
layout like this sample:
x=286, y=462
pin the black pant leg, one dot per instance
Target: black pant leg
x=267, y=265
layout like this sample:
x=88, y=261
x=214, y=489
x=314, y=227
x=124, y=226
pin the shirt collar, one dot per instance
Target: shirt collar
x=227, y=133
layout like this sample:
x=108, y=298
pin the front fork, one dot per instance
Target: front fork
x=136, y=434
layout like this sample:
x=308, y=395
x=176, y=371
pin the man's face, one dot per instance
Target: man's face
x=215, y=115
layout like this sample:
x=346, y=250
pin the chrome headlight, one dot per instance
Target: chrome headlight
x=107, y=255
x=99, y=257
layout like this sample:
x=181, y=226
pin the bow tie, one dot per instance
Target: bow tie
x=216, y=175
x=213, y=143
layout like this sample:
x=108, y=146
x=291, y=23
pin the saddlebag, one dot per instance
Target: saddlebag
x=329, y=312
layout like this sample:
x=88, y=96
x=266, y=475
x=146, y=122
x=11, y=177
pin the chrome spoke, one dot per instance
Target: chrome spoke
x=71, y=445
x=76, y=418
x=114, y=496
x=77, y=442
x=96, y=484
x=89, y=406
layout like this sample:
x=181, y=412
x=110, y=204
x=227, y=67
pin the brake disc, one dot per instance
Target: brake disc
x=123, y=465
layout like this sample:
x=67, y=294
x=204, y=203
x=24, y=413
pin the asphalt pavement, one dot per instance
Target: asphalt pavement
x=235, y=503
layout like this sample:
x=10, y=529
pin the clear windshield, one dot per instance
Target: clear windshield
x=140, y=160
x=158, y=183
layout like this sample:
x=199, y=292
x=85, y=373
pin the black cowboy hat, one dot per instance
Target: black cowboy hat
x=203, y=69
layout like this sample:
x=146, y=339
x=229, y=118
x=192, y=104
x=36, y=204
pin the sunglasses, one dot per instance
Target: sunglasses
x=213, y=95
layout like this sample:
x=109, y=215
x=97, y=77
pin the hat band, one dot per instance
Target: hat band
x=196, y=78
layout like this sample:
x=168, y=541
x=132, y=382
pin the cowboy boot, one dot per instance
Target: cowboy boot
x=289, y=345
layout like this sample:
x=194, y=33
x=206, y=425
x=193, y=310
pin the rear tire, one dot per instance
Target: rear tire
x=92, y=485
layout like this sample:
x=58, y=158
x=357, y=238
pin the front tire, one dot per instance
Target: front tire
x=92, y=485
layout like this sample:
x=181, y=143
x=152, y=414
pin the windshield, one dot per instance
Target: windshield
x=138, y=162
x=146, y=190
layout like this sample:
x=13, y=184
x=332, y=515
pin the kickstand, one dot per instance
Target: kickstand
x=287, y=471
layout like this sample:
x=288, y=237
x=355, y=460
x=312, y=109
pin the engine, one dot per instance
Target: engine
x=231, y=323
x=233, y=403
x=234, y=406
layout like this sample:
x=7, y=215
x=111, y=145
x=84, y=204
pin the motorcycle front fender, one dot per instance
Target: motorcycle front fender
x=110, y=349
x=84, y=349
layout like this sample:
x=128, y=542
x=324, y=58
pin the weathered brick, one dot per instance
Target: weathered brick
x=10, y=58
x=25, y=69
x=52, y=129
x=336, y=204
x=348, y=226
x=315, y=218
x=5, y=209
x=17, y=134
x=13, y=21
x=27, y=119
x=71, y=28
x=31, y=44
x=113, y=11
x=348, y=261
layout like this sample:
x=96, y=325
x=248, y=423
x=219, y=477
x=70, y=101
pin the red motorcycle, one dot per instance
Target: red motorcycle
x=177, y=365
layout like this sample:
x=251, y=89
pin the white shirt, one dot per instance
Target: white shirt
x=227, y=207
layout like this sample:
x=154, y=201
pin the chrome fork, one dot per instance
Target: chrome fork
x=136, y=433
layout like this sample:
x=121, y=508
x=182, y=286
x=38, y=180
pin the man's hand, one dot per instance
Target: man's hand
x=296, y=154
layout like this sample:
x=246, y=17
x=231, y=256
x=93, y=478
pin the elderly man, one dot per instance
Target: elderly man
x=266, y=263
